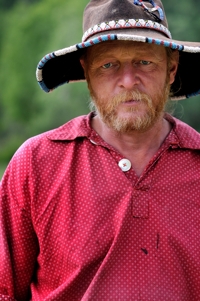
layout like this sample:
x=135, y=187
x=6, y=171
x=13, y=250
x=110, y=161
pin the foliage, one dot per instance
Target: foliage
x=32, y=28
x=25, y=109
x=183, y=19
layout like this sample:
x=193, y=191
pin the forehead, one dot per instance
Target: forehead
x=115, y=48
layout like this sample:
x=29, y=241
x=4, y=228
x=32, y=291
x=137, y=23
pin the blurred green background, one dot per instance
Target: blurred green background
x=32, y=28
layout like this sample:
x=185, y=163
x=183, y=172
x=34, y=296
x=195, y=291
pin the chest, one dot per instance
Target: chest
x=128, y=236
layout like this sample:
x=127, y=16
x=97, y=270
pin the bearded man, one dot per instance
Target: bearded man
x=107, y=206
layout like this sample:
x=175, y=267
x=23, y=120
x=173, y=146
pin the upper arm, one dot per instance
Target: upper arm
x=18, y=241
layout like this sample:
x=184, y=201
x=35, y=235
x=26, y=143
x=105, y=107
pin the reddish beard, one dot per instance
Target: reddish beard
x=107, y=110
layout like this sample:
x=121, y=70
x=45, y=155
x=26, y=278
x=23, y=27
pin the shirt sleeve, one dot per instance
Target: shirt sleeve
x=18, y=240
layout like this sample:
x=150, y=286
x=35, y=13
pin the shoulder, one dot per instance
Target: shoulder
x=49, y=146
x=77, y=127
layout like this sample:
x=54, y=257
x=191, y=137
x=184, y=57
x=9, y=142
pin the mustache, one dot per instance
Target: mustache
x=126, y=96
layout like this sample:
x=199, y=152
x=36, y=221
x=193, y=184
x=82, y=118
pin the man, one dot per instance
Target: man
x=107, y=206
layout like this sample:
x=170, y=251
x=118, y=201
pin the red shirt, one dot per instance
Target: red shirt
x=74, y=226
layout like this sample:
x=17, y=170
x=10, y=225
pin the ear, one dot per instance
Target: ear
x=83, y=65
x=82, y=62
x=174, y=61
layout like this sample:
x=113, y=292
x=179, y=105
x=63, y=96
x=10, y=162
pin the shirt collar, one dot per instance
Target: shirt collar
x=181, y=135
x=75, y=128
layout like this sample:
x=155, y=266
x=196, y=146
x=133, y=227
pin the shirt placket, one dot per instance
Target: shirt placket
x=141, y=194
x=142, y=188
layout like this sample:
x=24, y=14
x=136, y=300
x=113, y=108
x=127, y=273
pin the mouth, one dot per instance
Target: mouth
x=131, y=101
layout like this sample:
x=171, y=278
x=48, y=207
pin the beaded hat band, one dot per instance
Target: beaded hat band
x=130, y=23
x=134, y=20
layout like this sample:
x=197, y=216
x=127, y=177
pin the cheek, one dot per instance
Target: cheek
x=101, y=85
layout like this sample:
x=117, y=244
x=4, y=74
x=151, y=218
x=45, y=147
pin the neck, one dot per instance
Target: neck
x=138, y=147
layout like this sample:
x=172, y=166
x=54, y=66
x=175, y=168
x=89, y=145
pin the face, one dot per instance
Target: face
x=129, y=83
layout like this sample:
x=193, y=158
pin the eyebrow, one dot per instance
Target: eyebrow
x=106, y=52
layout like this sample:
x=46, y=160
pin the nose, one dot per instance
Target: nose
x=129, y=77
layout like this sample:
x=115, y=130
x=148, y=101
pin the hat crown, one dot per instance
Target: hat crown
x=99, y=11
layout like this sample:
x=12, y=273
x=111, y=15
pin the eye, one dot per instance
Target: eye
x=107, y=66
x=145, y=62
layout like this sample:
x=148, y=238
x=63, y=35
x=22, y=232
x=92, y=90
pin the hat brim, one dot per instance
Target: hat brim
x=63, y=66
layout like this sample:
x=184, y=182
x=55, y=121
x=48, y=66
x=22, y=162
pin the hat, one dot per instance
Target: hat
x=133, y=20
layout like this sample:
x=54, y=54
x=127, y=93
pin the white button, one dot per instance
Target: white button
x=124, y=164
x=93, y=142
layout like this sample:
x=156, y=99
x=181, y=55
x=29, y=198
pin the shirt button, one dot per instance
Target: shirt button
x=124, y=164
x=93, y=142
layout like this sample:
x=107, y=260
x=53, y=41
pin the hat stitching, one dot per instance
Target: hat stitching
x=44, y=87
x=104, y=38
x=193, y=94
x=192, y=49
x=151, y=10
x=65, y=50
x=45, y=59
x=129, y=23
x=97, y=40
x=165, y=43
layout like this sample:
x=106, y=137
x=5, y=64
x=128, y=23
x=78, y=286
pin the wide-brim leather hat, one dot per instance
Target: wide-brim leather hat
x=134, y=20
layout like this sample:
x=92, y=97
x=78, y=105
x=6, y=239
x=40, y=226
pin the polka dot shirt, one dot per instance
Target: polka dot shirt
x=75, y=226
